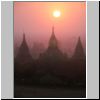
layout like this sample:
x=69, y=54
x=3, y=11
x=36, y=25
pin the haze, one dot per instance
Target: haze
x=36, y=19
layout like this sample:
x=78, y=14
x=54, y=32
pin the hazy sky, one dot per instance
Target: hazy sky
x=36, y=19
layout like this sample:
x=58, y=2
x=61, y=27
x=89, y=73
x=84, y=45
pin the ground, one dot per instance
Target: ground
x=46, y=92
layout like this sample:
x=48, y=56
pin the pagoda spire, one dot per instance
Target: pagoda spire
x=24, y=38
x=52, y=29
x=53, y=40
x=53, y=34
x=79, y=51
x=24, y=52
x=53, y=51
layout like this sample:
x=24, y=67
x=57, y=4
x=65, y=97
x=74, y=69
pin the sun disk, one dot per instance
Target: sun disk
x=56, y=13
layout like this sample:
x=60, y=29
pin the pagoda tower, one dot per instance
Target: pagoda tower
x=23, y=55
x=79, y=51
x=53, y=52
x=53, y=44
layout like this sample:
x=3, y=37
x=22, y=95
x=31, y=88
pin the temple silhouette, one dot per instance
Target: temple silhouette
x=23, y=61
x=52, y=66
x=79, y=51
x=53, y=52
x=24, y=53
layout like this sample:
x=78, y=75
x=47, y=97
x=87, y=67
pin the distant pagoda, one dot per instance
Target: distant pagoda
x=53, y=43
x=23, y=55
x=79, y=51
x=53, y=51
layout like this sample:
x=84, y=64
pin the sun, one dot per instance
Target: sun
x=56, y=13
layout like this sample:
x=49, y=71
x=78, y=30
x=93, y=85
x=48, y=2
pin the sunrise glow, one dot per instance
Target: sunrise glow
x=57, y=13
x=36, y=19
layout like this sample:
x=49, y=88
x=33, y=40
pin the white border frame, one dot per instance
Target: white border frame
x=88, y=91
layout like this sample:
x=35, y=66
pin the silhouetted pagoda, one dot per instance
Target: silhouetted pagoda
x=52, y=60
x=23, y=55
x=24, y=64
x=53, y=52
x=79, y=51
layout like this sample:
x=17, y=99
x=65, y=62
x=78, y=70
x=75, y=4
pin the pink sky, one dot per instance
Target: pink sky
x=35, y=19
